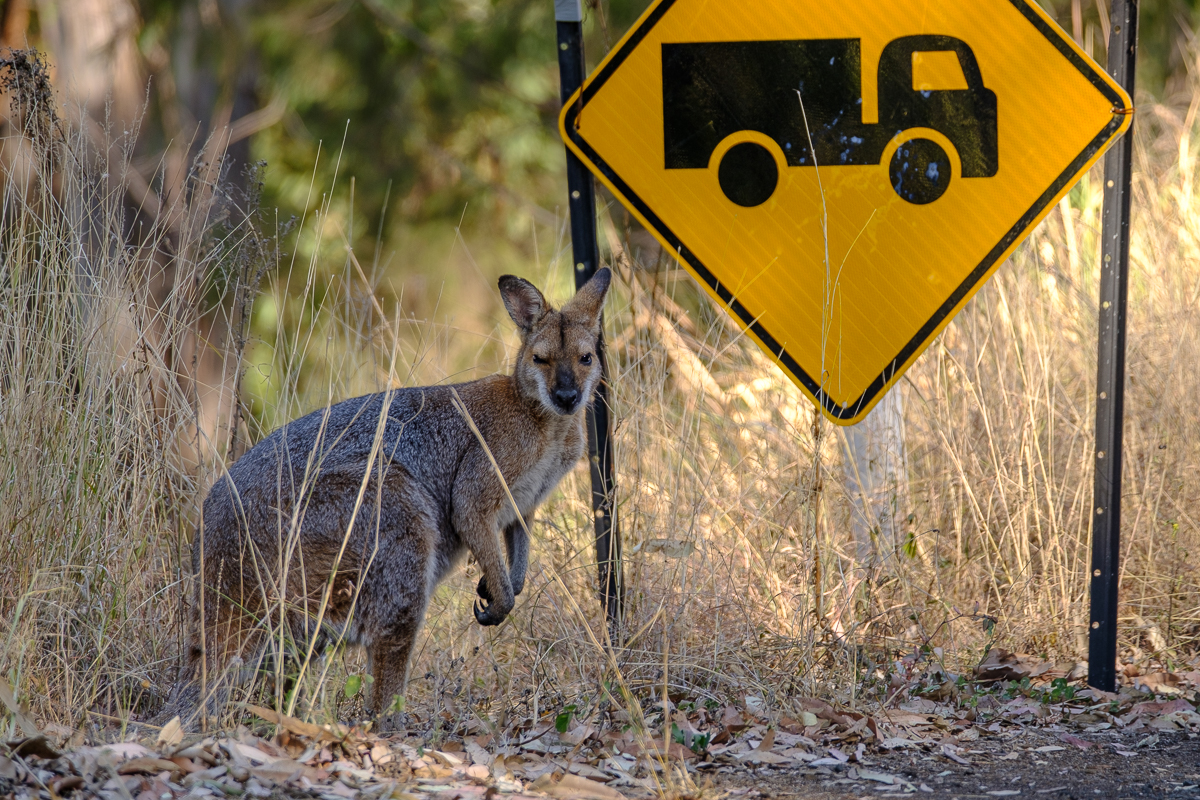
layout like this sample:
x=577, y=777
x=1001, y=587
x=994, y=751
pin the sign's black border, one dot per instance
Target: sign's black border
x=915, y=344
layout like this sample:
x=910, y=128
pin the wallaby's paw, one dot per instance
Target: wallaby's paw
x=491, y=613
x=518, y=585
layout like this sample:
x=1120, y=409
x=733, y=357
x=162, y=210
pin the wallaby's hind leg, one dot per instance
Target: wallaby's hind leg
x=404, y=571
x=390, y=649
x=388, y=662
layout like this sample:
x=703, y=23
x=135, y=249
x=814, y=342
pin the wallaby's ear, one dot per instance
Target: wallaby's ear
x=587, y=303
x=524, y=302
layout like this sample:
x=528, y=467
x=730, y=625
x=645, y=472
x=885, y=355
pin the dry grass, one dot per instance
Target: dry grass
x=740, y=569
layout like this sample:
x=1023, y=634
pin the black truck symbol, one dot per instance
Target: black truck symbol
x=714, y=89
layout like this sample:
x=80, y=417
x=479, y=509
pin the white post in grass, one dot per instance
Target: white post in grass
x=875, y=467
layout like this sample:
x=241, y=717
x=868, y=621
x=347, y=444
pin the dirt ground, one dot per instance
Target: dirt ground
x=1022, y=763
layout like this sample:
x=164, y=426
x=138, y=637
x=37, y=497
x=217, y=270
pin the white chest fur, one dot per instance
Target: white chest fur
x=532, y=487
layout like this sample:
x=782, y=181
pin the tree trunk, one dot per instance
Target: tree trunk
x=14, y=24
x=95, y=51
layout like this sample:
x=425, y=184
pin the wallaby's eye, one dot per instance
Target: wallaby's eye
x=586, y=358
x=539, y=360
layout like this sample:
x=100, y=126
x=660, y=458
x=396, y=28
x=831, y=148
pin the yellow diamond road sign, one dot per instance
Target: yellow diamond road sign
x=842, y=176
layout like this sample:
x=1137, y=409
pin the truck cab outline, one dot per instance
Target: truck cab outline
x=712, y=90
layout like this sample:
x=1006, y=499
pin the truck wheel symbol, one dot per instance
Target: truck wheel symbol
x=920, y=171
x=748, y=174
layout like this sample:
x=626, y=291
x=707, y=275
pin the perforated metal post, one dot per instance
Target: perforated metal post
x=581, y=187
x=1110, y=380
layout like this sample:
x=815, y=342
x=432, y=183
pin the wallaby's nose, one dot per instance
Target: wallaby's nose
x=566, y=398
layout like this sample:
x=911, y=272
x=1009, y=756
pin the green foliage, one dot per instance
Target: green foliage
x=448, y=108
x=563, y=720
x=1060, y=691
x=696, y=742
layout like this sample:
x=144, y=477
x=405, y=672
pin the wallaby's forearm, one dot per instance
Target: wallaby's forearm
x=478, y=500
x=516, y=540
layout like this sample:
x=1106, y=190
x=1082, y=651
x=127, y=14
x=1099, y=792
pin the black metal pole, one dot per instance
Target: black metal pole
x=1110, y=379
x=568, y=15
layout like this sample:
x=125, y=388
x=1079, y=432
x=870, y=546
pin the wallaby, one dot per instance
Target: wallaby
x=351, y=516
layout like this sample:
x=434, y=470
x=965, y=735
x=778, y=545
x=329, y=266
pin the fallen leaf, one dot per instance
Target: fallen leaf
x=38, y=746
x=906, y=719
x=285, y=770
x=797, y=754
x=732, y=720
x=762, y=757
x=1082, y=744
x=382, y=754
x=185, y=765
x=1000, y=665
x=1160, y=682
x=478, y=755
x=587, y=771
x=170, y=735
x=948, y=750
x=573, y=787
x=581, y=733
x=878, y=777
x=1176, y=720
x=66, y=783
x=253, y=755
x=59, y=731
x=1154, y=709
x=969, y=734
x=652, y=750
x=10, y=700
x=147, y=765
x=897, y=743
x=294, y=725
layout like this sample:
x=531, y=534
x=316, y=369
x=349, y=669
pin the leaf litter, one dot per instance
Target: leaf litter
x=928, y=710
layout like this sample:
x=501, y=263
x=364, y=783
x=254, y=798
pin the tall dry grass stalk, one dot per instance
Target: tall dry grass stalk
x=740, y=569
x=117, y=331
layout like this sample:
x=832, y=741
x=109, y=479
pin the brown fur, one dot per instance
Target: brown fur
x=275, y=527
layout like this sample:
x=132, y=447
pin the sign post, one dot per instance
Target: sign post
x=1110, y=379
x=844, y=177
x=568, y=15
